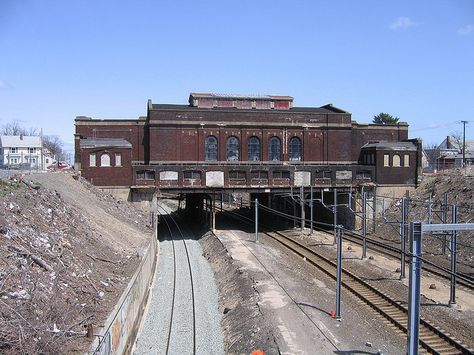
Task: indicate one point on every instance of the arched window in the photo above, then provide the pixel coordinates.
(396, 160)
(105, 159)
(274, 149)
(295, 148)
(232, 148)
(253, 149)
(211, 148)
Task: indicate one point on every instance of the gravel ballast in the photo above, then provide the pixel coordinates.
(153, 334)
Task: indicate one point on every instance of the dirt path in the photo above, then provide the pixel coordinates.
(120, 228)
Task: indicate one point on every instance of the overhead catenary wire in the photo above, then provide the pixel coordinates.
(388, 247)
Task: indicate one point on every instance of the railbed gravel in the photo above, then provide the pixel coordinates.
(153, 335)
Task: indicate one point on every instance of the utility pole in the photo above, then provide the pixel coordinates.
(464, 143)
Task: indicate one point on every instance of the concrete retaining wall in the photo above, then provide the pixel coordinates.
(120, 330)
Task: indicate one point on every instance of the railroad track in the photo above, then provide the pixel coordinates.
(433, 339)
(462, 279)
(182, 311)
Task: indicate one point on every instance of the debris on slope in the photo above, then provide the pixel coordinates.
(457, 184)
(58, 277)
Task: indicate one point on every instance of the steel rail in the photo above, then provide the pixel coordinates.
(432, 338)
(168, 215)
(461, 278)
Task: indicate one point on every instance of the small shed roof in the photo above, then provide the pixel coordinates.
(384, 145)
(20, 141)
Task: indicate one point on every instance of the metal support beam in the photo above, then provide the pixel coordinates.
(430, 209)
(311, 210)
(445, 220)
(256, 220)
(403, 230)
(302, 208)
(334, 209)
(213, 213)
(414, 289)
(364, 225)
(447, 227)
(294, 213)
(339, 231)
(452, 294)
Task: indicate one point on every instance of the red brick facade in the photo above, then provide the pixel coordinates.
(171, 141)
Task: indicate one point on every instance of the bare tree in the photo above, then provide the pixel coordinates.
(15, 129)
(457, 140)
(432, 153)
(55, 146)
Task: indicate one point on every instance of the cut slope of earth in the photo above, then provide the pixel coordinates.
(458, 184)
(67, 252)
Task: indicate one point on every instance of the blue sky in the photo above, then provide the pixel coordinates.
(102, 58)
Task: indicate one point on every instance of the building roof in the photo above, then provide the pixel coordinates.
(20, 141)
(323, 109)
(384, 145)
(104, 142)
(240, 96)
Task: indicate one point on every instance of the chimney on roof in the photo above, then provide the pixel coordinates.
(21, 137)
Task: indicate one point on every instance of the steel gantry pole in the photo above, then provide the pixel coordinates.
(414, 289)
(364, 225)
(311, 210)
(339, 232)
(452, 294)
(403, 238)
(335, 215)
(302, 208)
(445, 220)
(256, 220)
(464, 143)
(430, 209)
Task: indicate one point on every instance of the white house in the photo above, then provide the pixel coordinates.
(24, 152)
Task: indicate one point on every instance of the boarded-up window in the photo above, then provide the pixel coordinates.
(92, 159)
(118, 159)
(323, 174)
(146, 175)
(105, 160)
(237, 175)
(386, 160)
(263, 104)
(406, 160)
(396, 160)
(192, 175)
(363, 175)
(259, 175)
(281, 174)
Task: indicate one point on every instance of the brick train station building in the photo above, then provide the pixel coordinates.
(243, 143)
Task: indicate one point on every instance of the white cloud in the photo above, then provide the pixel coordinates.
(466, 30)
(4, 85)
(402, 22)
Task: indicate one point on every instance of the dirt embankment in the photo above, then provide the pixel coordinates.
(458, 184)
(67, 252)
